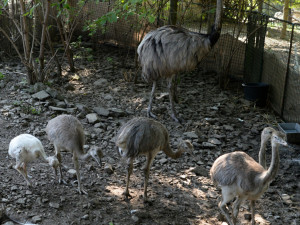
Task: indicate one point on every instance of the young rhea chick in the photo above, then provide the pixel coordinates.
(26, 148)
(242, 177)
(66, 133)
(145, 136)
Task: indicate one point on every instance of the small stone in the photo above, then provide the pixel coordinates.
(163, 161)
(168, 195)
(228, 128)
(61, 104)
(8, 223)
(14, 188)
(4, 200)
(21, 201)
(44, 200)
(36, 219)
(72, 173)
(191, 135)
(101, 111)
(117, 112)
(41, 95)
(208, 145)
(108, 97)
(135, 219)
(54, 205)
(57, 109)
(85, 217)
(53, 93)
(200, 171)
(214, 141)
(100, 82)
(108, 168)
(92, 118)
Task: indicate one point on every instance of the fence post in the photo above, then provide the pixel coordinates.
(287, 72)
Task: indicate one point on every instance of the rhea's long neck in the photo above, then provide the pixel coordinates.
(274, 166)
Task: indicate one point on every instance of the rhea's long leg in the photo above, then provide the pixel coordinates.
(171, 96)
(252, 205)
(22, 171)
(58, 156)
(76, 165)
(149, 110)
(146, 174)
(129, 172)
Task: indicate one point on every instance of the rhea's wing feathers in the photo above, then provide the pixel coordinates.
(67, 132)
(169, 50)
(236, 167)
(139, 136)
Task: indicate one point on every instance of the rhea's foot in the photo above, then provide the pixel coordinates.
(177, 119)
(150, 114)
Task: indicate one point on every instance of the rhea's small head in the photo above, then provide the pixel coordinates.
(187, 146)
(279, 138)
(53, 161)
(267, 133)
(96, 153)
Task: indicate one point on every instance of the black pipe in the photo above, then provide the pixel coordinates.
(287, 72)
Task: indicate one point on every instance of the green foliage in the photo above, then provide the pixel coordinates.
(143, 10)
(81, 51)
(27, 108)
(31, 10)
(1, 76)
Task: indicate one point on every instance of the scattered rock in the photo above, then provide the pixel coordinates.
(214, 141)
(117, 112)
(190, 135)
(72, 173)
(8, 223)
(100, 82)
(57, 109)
(21, 201)
(54, 205)
(92, 118)
(101, 111)
(36, 219)
(163, 161)
(200, 171)
(41, 95)
(208, 145)
(168, 195)
(108, 168)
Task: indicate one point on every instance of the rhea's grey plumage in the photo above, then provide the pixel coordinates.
(241, 176)
(66, 133)
(169, 50)
(145, 136)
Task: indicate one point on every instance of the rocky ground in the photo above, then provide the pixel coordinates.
(102, 97)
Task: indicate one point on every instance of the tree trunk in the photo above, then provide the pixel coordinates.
(43, 40)
(210, 18)
(285, 17)
(173, 12)
(65, 42)
(260, 6)
(31, 76)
